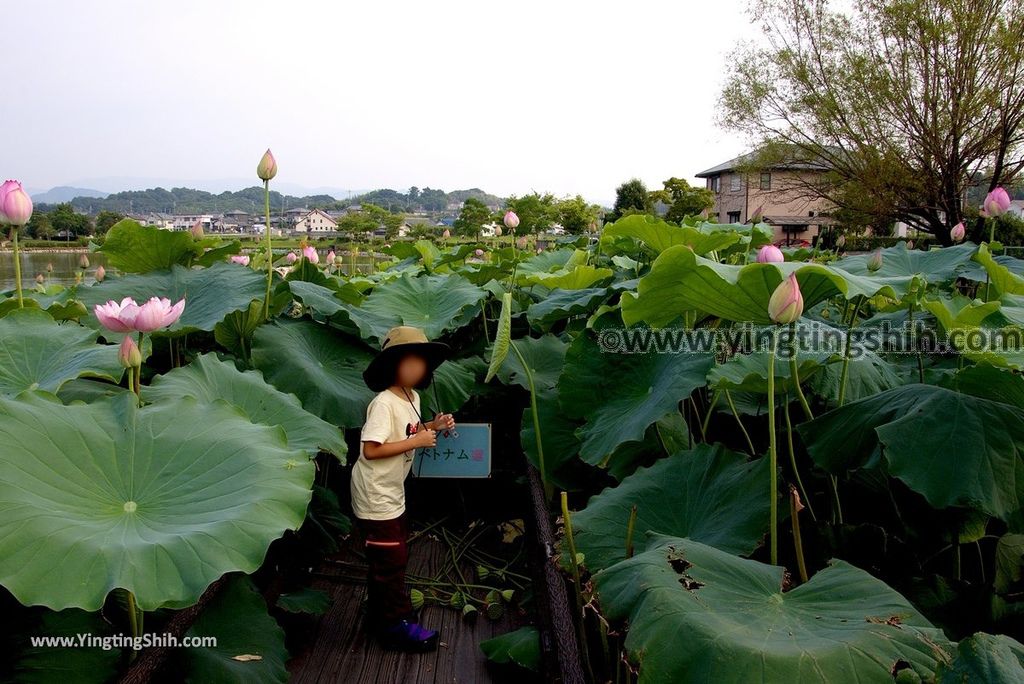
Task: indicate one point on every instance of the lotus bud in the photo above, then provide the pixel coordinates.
(197, 231)
(387, 245)
(17, 209)
(478, 253)
(101, 273)
(910, 245)
(522, 242)
(40, 278)
(241, 259)
(539, 250)
(497, 231)
(267, 168)
(997, 203)
(331, 256)
(4, 189)
(757, 215)
(446, 234)
(770, 254)
(309, 251)
(291, 257)
(511, 220)
(49, 267)
(841, 241)
(129, 354)
(875, 261)
(958, 232)
(83, 262)
(786, 304)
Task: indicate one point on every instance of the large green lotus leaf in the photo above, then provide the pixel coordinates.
(209, 379)
(235, 332)
(960, 313)
(867, 375)
(317, 297)
(976, 272)
(454, 383)
(558, 435)
(210, 293)
(562, 304)
(710, 494)
(135, 248)
(700, 614)
(36, 352)
(620, 395)
(434, 303)
(988, 382)
(576, 278)
(323, 368)
(936, 266)
(160, 501)
(1003, 280)
(749, 372)
(984, 658)
(44, 664)
(552, 260)
(545, 357)
(238, 618)
(658, 235)
(954, 449)
(680, 282)
(521, 647)
(57, 300)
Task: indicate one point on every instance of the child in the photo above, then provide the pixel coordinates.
(393, 431)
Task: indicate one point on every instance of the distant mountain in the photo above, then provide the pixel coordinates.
(64, 193)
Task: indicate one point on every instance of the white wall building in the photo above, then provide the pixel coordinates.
(315, 221)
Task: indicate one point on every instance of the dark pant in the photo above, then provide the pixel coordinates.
(386, 557)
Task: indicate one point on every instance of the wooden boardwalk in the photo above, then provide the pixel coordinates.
(342, 652)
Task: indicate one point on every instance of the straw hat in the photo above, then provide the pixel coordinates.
(404, 339)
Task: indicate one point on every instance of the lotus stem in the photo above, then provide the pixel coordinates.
(17, 267)
(536, 416)
(794, 515)
(577, 584)
(736, 415)
(792, 461)
(270, 250)
(846, 351)
(630, 527)
(134, 621)
(794, 373)
(707, 416)
(772, 453)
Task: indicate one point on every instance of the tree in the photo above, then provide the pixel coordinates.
(575, 214)
(631, 198)
(106, 219)
(905, 102)
(473, 215)
(684, 199)
(65, 219)
(536, 212)
(39, 226)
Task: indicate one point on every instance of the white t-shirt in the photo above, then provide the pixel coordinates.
(378, 485)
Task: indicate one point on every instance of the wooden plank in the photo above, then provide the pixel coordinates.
(341, 651)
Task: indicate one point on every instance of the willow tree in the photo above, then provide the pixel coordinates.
(907, 102)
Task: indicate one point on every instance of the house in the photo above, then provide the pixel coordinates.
(778, 192)
(489, 230)
(315, 221)
(165, 221)
(188, 221)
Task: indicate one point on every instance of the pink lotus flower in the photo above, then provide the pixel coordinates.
(4, 189)
(770, 254)
(128, 353)
(958, 232)
(310, 253)
(101, 273)
(291, 257)
(158, 313)
(331, 257)
(117, 317)
(996, 203)
(240, 259)
(786, 303)
(875, 261)
(511, 220)
(17, 205)
(267, 168)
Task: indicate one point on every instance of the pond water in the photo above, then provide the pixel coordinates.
(65, 267)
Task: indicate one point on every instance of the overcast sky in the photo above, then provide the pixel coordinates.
(554, 95)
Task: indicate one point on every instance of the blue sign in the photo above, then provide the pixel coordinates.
(465, 452)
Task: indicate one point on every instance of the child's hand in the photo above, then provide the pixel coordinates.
(442, 421)
(424, 438)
